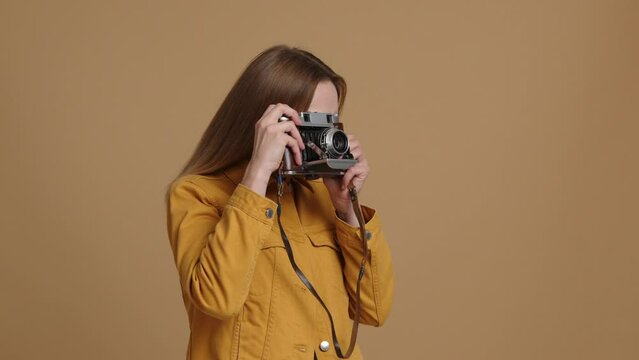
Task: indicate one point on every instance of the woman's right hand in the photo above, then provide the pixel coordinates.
(271, 139)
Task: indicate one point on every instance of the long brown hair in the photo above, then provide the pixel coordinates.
(280, 74)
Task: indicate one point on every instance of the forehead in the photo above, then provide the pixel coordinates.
(325, 98)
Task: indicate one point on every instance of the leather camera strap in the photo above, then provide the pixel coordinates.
(309, 286)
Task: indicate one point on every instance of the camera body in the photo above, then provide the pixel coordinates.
(327, 148)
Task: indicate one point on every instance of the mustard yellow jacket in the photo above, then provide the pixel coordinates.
(243, 299)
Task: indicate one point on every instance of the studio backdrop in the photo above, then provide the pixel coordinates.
(502, 139)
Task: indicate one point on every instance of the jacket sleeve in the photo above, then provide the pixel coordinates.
(378, 281)
(215, 249)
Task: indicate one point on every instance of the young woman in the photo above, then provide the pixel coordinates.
(243, 298)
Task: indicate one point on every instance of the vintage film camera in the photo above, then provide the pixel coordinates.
(327, 149)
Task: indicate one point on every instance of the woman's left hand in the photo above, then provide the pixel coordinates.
(338, 186)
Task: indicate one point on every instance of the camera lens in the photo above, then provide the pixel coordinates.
(335, 142)
(340, 142)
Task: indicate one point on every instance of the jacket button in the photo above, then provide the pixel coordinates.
(369, 235)
(324, 346)
(269, 213)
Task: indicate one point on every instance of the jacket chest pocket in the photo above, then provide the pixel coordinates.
(264, 273)
(328, 259)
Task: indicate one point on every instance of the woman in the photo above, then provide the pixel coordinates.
(242, 296)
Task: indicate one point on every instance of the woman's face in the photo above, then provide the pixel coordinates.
(325, 98)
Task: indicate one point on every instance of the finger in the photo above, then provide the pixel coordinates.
(291, 129)
(352, 140)
(274, 112)
(271, 116)
(268, 110)
(295, 133)
(293, 145)
(356, 171)
(357, 153)
(355, 150)
(289, 112)
(260, 122)
(348, 176)
(346, 180)
(355, 147)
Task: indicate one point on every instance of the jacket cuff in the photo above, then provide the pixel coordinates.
(349, 236)
(253, 204)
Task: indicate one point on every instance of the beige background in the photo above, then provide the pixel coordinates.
(503, 144)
